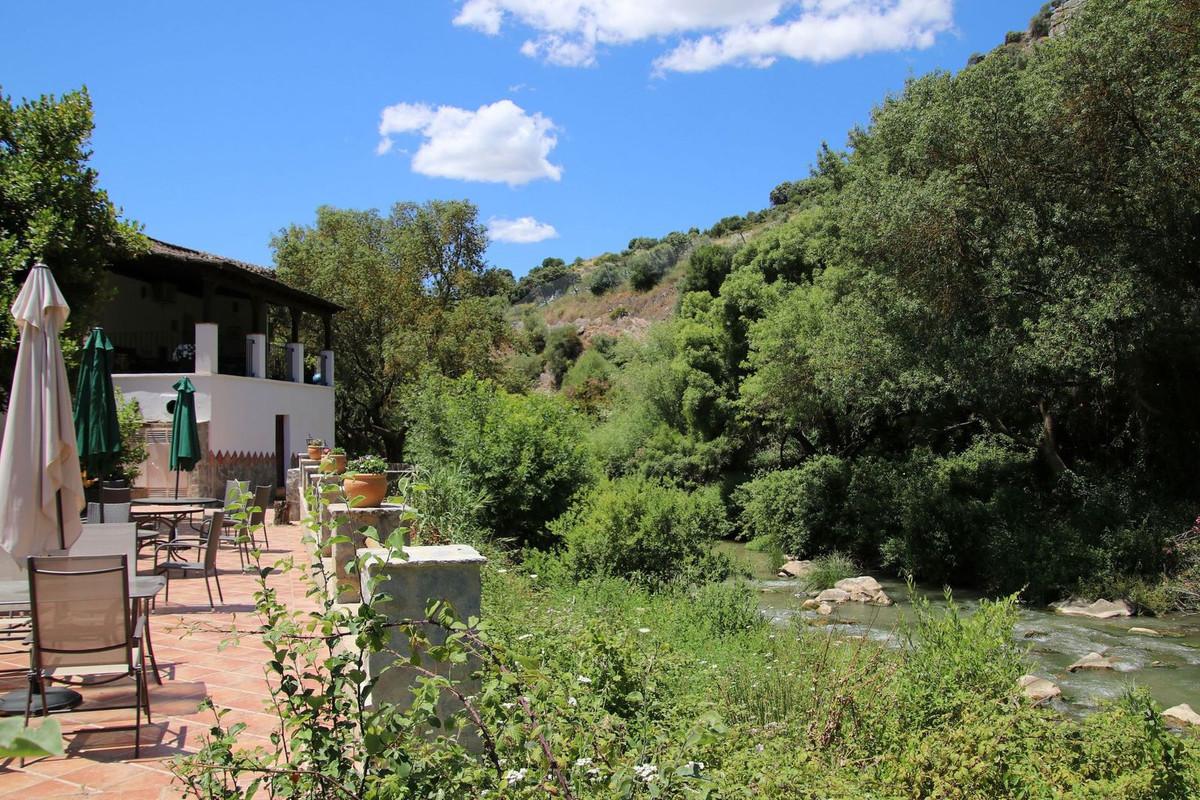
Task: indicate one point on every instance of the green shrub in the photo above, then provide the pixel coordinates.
(366, 465)
(798, 509)
(828, 570)
(587, 383)
(724, 609)
(563, 346)
(642, 530)
(526, 452)
(706, 269)
(648, 267)
(606, 278)
(520, 371)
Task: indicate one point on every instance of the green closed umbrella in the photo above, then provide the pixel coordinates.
(185, 437)
(97, 432)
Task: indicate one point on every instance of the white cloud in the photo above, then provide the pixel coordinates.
(723, 32)
(523, 230)
(496, 143)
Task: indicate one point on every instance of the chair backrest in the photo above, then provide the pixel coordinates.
(213, 543)
(115, 494)
(234, 490)
(108, 539)
(113, 512)
(80, 609)
(262, 499)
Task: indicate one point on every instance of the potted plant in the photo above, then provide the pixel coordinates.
(334, 462)
(316, 449)
(365, 483)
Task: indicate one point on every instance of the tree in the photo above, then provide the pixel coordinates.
(53, 210)
(416, 300)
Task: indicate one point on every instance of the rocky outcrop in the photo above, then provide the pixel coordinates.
(1101, 609)
(1181, 715)
(796, 569)
(1092, 661)
(1038, 690)
(1060, 21)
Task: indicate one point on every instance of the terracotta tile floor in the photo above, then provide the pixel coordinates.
(101, 765)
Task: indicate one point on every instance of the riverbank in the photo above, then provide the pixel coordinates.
(1167, 666)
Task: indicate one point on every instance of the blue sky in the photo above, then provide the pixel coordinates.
(219, 123)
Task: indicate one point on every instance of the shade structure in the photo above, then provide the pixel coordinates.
(97, 431)
(41, 490)
(185, 436)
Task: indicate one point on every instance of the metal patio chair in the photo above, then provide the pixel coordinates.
(206, 547)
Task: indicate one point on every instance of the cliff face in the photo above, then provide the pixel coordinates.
(1060, 20)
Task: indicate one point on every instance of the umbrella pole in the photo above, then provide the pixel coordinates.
(176, 484)
(62, 539)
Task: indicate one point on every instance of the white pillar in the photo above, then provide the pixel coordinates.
(206, 348)
(256, 355)
(295, 352)
(327, 367)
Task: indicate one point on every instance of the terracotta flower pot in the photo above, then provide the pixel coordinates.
(333, 463)
(365, 491)
(315, 452)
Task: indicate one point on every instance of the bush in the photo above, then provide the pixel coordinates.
(725, 609)
(520, 371)
(800, 510)
(706, 269)
(606, 278)
(828, 570)
(647, 267)
(563, 346)
(642, 530)
(526, 452)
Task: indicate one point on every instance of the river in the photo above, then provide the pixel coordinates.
(1169, 667)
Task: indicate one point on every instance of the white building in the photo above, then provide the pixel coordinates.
(234, 330)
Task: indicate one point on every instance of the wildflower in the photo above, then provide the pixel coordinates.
(584, 679)
(696, 766)
(583, 762)
(594, 775)
(508, 706)
(524, 636)
(643, 630)
(514, 775)
(572, 702)
(646, 772)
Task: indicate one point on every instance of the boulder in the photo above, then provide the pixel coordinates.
(1145, 632)
(1038, 690)
(863, 589)
(1092, 661)
(810, 604)
(833, 596)
(1181, 715)
(1101, 609)
(796, 569)
(824, 609)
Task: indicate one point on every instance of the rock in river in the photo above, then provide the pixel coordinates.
(1181, 714)
(1092, 661)
(1145, 632)
(833, 596)
(1039, 690)
(796, 569)
(864, 589)
(1101, 609)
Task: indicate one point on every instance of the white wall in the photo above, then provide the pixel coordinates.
(240, 411)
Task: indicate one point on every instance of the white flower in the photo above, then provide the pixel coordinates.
(572, 702)
(594, 775)
(524, 636)
(696, 766)
(533, 576)
(514, 775)
(646, 772)
(583, 762)
(643, 630)
(584, 679)
(508, 706)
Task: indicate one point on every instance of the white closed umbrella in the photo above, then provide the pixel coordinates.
(41, 490)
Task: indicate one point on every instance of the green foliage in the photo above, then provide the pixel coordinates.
(797, 509)
(642, 530)
(828, 569)
(18, 741)
(563, 346)
(550, 270)
(525, 452)
(520, 371)
(648, 267)
(707, 267)
(606, 278)
(412, 306)
(588, 381)
(366, 465)
(133, 438)
(53, 210)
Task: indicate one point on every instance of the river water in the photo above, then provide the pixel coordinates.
(1169, 667)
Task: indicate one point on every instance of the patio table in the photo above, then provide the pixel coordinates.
(175, 501)
(166, 512)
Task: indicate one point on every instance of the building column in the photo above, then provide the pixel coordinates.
(295, 353)
(206, 349)
(256, 355)
(327, 367)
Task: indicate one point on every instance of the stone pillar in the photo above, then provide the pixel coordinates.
(351, 525)
(327, 367)
(256, 355)
(446, 572)
(295, 355)
(206, 348)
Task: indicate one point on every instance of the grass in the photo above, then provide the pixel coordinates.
(828, 570)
